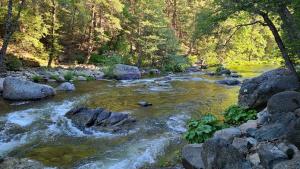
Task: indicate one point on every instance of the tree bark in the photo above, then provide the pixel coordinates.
(53, 21)
(90, 36)
(10, 27)
(280, 43)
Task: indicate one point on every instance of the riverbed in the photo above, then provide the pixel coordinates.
(39, 131)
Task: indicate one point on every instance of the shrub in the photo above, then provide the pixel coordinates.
(203, 129)
(176, 63)
(13, 63)
(69, 76)
(54, 77)
(90, 78)
(37, 78)
(106, 60)
(236, 115)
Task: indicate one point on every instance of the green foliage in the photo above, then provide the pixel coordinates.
(106, 60)
(37, 78)
(54, 77)
(203, 129)
(236, 115)
(176, 63)
(13, 63)
(69, 76)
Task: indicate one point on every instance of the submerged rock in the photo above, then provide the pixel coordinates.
(255, 92)
(126, 72)
(229, 82)
(99, 119)
(144, 104)
(17, 89)
(14, 163)
(67, 86)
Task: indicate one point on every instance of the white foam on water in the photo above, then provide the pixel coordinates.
(23, 118)
(144, 151)
(177, 123)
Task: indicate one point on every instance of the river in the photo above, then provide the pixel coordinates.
(39, 131)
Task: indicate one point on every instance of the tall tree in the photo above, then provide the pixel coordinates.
(10, 27)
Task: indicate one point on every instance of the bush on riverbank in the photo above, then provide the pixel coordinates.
(236, 115)
(203, 129)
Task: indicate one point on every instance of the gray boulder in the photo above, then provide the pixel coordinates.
(67, 86)
(18, 89)
(99, 119)
(280, 126)
(191, 156)
(287, 101)
(219, 153)
(270, 155)
(228, 134)
(229, 82)
(255, 93)
(125, 72)
(289, 164)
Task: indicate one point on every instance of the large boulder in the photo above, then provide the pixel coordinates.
(282, 102)
(289, 164)
(99, 119)
(255, 92)
(125, 72)
(191, 156)
(219, 153)
(270, 155)
(279, 126)
(18, 89)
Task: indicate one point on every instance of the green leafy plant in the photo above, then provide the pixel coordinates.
(236, 115)
(69, 76)
(203, 129)
(37, 78)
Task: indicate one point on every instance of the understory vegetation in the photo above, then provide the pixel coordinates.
(203, 129)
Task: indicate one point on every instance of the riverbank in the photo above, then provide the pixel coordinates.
(270, 141)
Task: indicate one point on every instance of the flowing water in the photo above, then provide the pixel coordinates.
(39, 130)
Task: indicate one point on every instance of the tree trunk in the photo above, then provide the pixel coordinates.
(90, 36)
(10, 27)
(52, 45)
(280, 43)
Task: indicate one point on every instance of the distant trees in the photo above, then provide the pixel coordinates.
(152, 32)
(225, 9)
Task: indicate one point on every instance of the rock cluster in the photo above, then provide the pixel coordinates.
(99, 119)
(270, 142)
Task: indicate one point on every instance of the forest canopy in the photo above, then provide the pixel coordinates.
(169, 34)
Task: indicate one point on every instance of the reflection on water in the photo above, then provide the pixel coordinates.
(40, 131)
